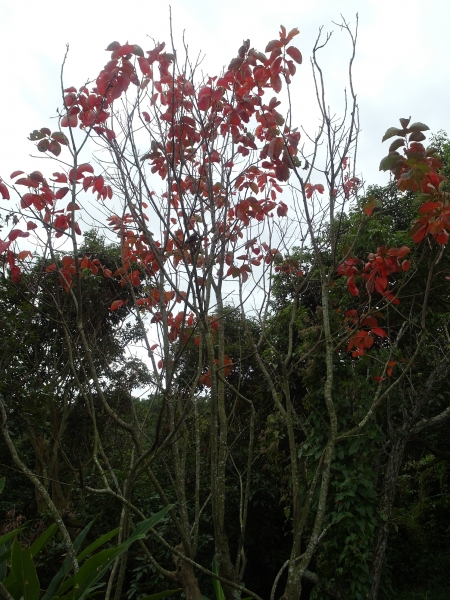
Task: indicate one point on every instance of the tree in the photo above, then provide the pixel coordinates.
(196, 167)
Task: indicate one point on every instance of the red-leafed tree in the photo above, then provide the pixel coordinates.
(207, 186)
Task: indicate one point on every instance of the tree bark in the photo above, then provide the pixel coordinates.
(185, 576)
(386, 505)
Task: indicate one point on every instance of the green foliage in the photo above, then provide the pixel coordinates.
(23, 582)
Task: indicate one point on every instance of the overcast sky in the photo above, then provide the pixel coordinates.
(401, 67)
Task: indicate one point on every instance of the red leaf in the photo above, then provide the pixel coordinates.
(145, 66)
(381, 284)
(61, 193)
(15, 173)
(69, 121)
(125, 49)
(429, 206)
(117, 304)
(368, 341)
(292, 33)
(406, 264)
(98, 183)
(60, 222)
(22, 255)
(55, 147)
(37, 176)
(82, 168)
(60, 177)
(4, 191)
(274, 44)
(295, 54)
(442, 237)
(403, 251)
(282, 172)
(31, 225)
(15, 233)
(15, 274)
(310, 189)
(282, 209)
(275, 82)
(4, 246)
(420, 234)
(351, 286)
(379, 332)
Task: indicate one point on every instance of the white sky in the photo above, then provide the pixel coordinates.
(402, 64)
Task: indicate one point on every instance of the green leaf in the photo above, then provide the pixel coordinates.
(49, 595)
(138, 50)
(389, 161)
(94, 568)
(99, 542)
(43, 539)
(407, 174)
(36, 135)
(393, 131)
(405, 122)
(91, 571)
(418, 127)
(4, 555)
(163, 594)
(216, 583)
(60, 137)
(396, 144)
(5, 538)
(24, 571)
(416, 136)
(419, 199)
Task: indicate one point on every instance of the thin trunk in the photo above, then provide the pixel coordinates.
(386, 505)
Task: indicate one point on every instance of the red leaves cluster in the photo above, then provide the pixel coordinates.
(350, 269)
(376, 271)
(289, 266)
(117, 304)
(382, 264)
(14, 269)
(435, 220)
(69, 269)
(363, 338)
(88, 110)
(66, 272)
(310, 189)
(42, 198)
(418, 170)
(205, 379)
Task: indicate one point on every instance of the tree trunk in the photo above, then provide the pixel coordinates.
(185, 576)
(386, 504)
